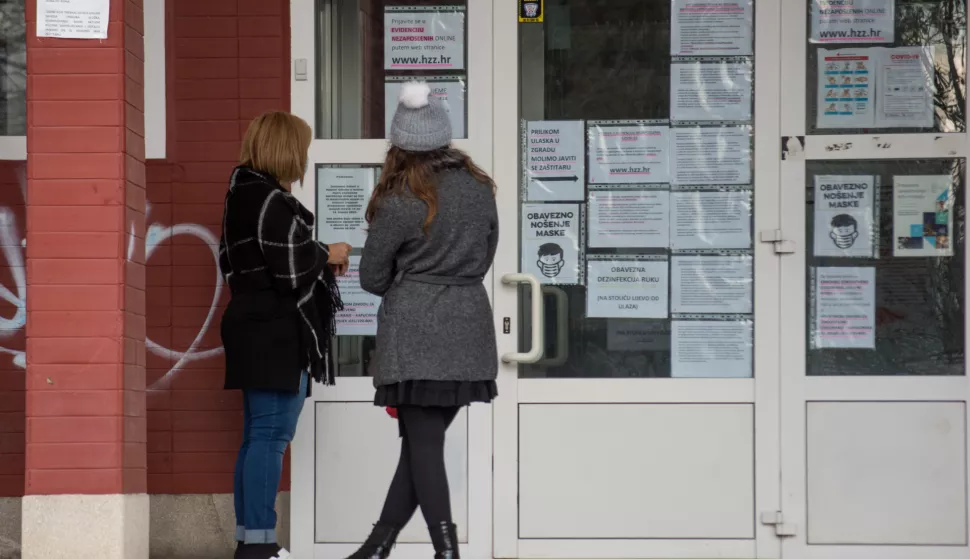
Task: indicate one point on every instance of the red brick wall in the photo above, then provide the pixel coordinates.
(228, 61)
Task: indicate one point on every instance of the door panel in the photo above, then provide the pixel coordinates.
(874, 386)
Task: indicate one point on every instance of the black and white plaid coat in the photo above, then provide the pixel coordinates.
(280, 319)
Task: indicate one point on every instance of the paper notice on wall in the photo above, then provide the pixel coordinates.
(852, 21)
(424, 38)
(72, 19)
(551, 242)
(637, 335)
(923, 215)
(846, 87)
(844, 216)
(359, 317)
(711, 27)
(555, 154)
(342, 196)
(626, 288)
(711, 348)
(710, 155)
(629, 218)
(628, 153)
(704, 220)
(450, 92)
(845, 308)
(711, 284)
(905, 92)
(714, 91)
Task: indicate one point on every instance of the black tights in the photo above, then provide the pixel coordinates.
(420, 478)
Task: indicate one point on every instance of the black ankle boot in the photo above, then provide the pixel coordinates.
(444, 536)
(379, 543)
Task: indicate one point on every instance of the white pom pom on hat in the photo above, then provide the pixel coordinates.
(415, 95)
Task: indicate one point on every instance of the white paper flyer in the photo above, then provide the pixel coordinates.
(846, 83)
(711, 348)
(424, 38)
(711, 27)
(844, 221)
(852, 21)
(845, 308)
(359, 317)
(551, 243)
(710, 220)
(711, 284)
(628, 153)
(629, 218)
(710, 91)
(710, 155)
(923, 215)
(904, 96)
(342, 197)
(555, 154)
(626, 288)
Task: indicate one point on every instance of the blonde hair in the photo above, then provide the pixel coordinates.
(276, 142)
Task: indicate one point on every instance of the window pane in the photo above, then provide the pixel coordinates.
(885, 261)
(367, 48)
(636, 196)
(896, 71)
(13, 65)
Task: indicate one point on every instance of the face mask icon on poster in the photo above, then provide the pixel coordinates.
(550, 260)
(843, 231)
(531, 9)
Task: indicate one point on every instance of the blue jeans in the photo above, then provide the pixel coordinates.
(269, 423)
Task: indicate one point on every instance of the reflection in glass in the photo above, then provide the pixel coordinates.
(937, 25)
(13, 65)
(357, 88)
(919, 301)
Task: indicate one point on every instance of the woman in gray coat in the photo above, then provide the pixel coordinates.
(433, 230)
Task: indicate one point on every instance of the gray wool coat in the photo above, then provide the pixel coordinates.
(428, 331)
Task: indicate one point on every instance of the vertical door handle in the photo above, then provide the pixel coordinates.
(535, 352)
(562, 327)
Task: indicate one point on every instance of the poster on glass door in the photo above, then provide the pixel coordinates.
(710, 155)
(846, 86)
(625, 152)
(552, 249)
(905, 88)
(629, 218)
(711, 284)
(711, 348)
(424, 37)
(923, 215)
(342, 197)
(554, 156)
(845, 216)
(450, 91)
(845, 308)
(711, 90)
(852, 21)
(359, 317)
(626, 287)
(711, 27)
(710, 219)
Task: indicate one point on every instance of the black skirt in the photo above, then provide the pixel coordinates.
(435, 393)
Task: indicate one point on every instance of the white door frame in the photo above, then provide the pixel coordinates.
(360, 389)
(797, 389)
(761, 391)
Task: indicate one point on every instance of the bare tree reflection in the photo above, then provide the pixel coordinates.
(13, 68)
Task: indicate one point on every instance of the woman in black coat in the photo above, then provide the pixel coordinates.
(279, 323)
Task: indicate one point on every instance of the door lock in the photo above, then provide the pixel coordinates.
(777, 238)
(777, 519)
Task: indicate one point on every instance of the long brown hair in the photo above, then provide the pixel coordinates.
(414, 171)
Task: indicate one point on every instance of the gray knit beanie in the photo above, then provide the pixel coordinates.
(421, 122)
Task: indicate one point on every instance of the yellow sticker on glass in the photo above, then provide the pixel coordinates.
(530, 11)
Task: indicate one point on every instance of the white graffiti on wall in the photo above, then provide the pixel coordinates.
(12, 244)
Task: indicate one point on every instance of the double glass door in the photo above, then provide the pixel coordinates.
(729, 292)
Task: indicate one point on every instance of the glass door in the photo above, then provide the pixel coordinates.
(350, 58)
(636, 152)
(874, 385)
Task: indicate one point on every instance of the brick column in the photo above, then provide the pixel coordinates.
(85, 480)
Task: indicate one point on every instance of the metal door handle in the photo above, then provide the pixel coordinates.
(562, 327)
(535, 352)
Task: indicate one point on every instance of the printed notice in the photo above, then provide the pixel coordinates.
(852, 21)
(555, 155)
(429, 38)
(844, 221)
(711, 348)
(845, 308)
(451, 94)
(715, 91)
(629, 218)
(359, 317)
(341, 201)
(73, 19)
(637, 335)
(846, 81)
(630, 153)
(711, 284)
(703, 220)
(710, 155)
(711, 27)
(626, 288)
(923, 215)
(905, 93)
(550, 242)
